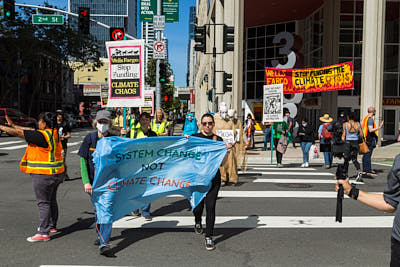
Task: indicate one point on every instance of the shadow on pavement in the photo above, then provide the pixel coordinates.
(225, 232)
(81, 224)
(3, 154)
(176, 206)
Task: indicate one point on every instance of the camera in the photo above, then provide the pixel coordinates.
(338, 146)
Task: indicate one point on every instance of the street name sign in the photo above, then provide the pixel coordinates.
(48, 19)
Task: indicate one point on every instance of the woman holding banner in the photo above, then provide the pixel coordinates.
(207, 122)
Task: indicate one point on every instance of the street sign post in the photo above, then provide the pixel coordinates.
(159, 23)
(159, 50)
(48, 19)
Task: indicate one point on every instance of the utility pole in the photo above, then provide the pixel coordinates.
(158, 85)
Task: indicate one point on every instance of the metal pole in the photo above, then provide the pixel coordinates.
(272, 142)
(158, 85)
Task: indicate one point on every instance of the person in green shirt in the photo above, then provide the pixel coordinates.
(279, 129)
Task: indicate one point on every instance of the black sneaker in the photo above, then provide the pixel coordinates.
(105, 251)
(209, 243)
(198, 229)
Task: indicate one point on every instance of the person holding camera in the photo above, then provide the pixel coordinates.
(370, 134)
(44, 162)
(306, 135)
(386, 202)
(351, 135)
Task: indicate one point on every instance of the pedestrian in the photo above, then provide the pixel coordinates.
(352, 134)
(291, 125)
(159, 124)
(386, 202)
(44, 162)
(306, 134)
(325, 138)
(142, 132)
(280, 129)
(267, 134)
(103, 125)
(398, 137)
(210, 200)
(64, 132)
(190, 126)
(370, 134)
(250, 129)
(172, 122)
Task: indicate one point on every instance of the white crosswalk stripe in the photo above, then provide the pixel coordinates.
(290, 173)
(10, 142)
(5, 145)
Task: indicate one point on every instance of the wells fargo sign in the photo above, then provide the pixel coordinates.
(330, 78)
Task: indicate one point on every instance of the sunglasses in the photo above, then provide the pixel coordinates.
(210, 123)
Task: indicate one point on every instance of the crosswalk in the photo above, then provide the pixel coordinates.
(21, 144)
(262, 176)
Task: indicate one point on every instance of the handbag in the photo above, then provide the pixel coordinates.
(282, 144)
(363, 148)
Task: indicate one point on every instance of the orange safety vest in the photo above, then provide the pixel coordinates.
(364, 125)
(40, 160)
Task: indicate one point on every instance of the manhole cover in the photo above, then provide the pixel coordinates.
(294, 185)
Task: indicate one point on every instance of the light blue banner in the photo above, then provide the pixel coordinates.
(130, 173)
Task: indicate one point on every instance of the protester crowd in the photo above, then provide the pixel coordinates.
(45, 157)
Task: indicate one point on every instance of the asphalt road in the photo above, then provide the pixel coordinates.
(275, 217)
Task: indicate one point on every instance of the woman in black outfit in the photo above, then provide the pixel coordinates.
(306, 135)
(207, 121)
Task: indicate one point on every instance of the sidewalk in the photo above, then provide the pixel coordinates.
(385, 154)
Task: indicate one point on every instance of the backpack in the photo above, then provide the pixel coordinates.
(326, 135)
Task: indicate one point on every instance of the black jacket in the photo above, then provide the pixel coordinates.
(306, 134)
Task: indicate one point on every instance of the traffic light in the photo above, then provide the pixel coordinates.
(163, 72)
(9, 9)
(117, 34)
(200, 38)
(84, 20)
(227, 82)
(229, 38)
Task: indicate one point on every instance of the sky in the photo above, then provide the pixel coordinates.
(177, 33)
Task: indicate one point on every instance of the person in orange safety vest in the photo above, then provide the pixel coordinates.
(44, 162)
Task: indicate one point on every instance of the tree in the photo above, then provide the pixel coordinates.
(28, 45)
(166, 88)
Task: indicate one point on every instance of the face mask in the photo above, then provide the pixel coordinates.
(305, 124)
(223, 115)
(102, 127)
(189, 118)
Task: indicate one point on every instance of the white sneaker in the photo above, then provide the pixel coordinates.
(303, 165)
(306, 165)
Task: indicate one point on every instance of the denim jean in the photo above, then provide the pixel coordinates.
(146, 210)
(328, 158)
(305, 147)
(267, 137)
(366, 159)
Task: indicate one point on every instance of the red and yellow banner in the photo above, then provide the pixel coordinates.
(330, 78)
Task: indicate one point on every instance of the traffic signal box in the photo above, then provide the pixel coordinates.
(200, 38)
(227, 82)
(229, 38)
(9, 9)
(84, 20)
(163, 72)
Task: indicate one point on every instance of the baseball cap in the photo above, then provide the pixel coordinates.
(103, 115)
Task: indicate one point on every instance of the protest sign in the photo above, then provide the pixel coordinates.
(273, 103)
(126, 73)
(330, 78)
(227, 135)
(130, 173)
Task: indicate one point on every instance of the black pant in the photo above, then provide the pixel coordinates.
(395, 255)
(279, 155)
(45, 187)
(210, 200)
(351, 153)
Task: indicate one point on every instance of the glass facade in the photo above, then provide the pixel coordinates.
(259, 51)
(120, 13)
